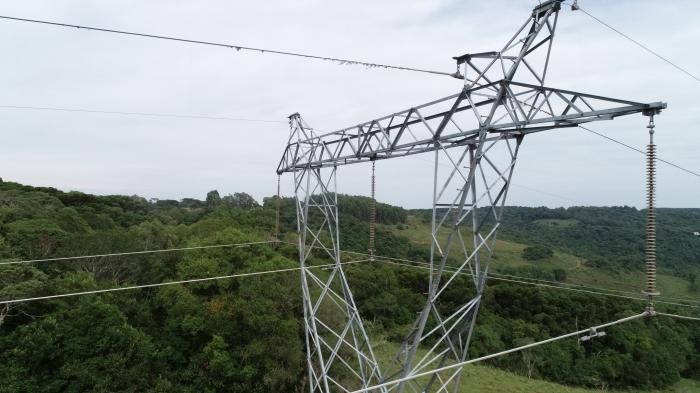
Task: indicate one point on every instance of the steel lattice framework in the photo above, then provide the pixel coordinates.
(474, 136)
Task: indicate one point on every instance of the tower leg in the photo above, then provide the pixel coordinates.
(469, 192)
(339, 354)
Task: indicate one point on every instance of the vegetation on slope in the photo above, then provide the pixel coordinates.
(246, 334)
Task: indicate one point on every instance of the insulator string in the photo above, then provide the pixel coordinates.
(650, 246)
(372, 216)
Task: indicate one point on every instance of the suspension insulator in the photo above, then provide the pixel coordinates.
(372, 217)
(650, 244)
(277, 217)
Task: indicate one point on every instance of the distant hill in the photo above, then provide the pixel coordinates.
(608, 237)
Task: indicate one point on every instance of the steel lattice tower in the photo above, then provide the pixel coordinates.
(474, 137)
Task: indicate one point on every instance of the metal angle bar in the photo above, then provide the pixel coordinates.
(338, 385)
(359, 326)
(453, 206)
(467, 306)
(570, 103)
(510, 110)
(473, 207)
(534, 47)
(583, 117)
(461, 312)
(549, 104)
(585, 95)
(475, 110)
(316, 240)
(385, 134)
(535, 110)
(341, 340)
(324, 285)
(449, 115)
(341, 360)
(365, 136)
(311, 334)
(586, 102)
(401, 130)
(437, 356)
(549, 48)
(461, 267)
(425, 123)
(481, 74)
(466, 254)
(425, 105)
(503, 66)
(476, 301)
(454, 123)
(488, 191)
(527, 91)
(529, 39)
(514, 100)
(505, 186)
(441, 325)
(454, 169)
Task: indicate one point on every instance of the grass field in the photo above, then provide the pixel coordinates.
(485, 379)
(508, 255)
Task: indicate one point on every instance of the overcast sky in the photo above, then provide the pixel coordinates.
(175, 158)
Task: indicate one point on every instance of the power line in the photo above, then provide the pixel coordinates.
(679, 316)
(590, 289)
(237, 47)
(162, 284)
(577, 7)
(558, 285)
(639, 44)
(147, 114)
(595, 288)
(116, 254)
(546, 193)
(498, 354)
(492, 277)
(514, 184)
(611, 139)
(503, 277)
(639, 151)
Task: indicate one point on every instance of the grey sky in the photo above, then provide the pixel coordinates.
(176, 158)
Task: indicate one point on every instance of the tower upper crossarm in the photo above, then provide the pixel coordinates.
(502, 107)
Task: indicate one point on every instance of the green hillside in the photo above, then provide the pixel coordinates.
(578, 269)
(245, 334)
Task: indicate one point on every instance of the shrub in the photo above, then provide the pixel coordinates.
(535, 253)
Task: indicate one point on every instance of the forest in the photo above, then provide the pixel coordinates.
(246, 335)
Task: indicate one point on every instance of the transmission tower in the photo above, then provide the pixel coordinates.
(474, 137)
